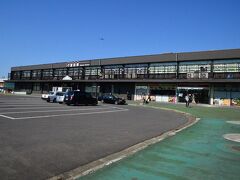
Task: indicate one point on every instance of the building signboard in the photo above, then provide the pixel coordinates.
(77, 64)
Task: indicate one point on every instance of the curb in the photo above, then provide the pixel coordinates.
(108, 160)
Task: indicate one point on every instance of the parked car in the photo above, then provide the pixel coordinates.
(100, 97)
(78, 97)
(45, 96)
(111, 99)
(53, 97)
(60, 97)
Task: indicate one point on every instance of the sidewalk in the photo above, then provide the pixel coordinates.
(199, 152)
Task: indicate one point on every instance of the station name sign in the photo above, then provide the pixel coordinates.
(77, 64)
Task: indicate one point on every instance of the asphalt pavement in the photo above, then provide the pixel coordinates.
(39, 140)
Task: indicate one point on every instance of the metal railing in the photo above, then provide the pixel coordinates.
(226, 75)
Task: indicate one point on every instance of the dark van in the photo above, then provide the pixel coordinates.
(78, 97)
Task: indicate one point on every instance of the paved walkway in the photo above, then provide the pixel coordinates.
(200, 152)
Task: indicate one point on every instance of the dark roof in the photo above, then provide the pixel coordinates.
(166, 57)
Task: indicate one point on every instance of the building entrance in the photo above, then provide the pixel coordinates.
(197, 94)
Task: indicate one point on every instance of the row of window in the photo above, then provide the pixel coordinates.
(131, 71)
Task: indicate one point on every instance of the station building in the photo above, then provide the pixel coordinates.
(211, 77)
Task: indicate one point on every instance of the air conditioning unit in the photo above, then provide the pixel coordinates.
(203, 75)
(190, 75)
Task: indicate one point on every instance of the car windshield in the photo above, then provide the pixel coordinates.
(69, 93)
(51, 93)
(110, 97)
(60, 94)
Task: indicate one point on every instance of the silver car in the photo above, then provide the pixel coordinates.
(53, 97)
(60, 97)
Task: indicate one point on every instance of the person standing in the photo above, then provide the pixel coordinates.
(129, 97)
(187, 100)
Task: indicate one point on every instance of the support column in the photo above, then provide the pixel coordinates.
(211, 94)
(112, 88)
(176, 94)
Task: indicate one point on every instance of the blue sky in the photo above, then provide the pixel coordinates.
(47, 31)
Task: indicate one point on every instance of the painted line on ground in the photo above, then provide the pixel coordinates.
(8, 117)
(232, 137)
(234, 122)
(36, 107)
(56, 115)
(86, 109)
(54, 107)
(18, 104)
(25, 105)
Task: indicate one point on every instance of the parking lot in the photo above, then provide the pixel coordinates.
(39, 140)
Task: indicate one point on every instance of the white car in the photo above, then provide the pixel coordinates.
(52, 97)
(60, 97)
(56, 97)
(45, 96)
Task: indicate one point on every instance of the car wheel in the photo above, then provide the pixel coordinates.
(48, 100)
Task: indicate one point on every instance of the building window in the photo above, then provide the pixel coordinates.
(226, 69)
(162, 70)
(136, 71)
(16, 75)
(75, 73)
(47, 74)
(36, 74)
(113, 72)
(26, 74)
(194, 70)
(93, 72)
(60, 73)
(233, 67)
(195, 67)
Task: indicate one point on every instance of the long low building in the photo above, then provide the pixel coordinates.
(211, 77)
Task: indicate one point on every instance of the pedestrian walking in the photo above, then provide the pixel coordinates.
(187, 100)
(129, 97)
(149, 99)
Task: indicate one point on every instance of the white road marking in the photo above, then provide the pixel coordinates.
(86, 109)
(8, 117)
(232, 137)
(23, 105)
(47, 107)
(84, 113)
(234, 122)
(37, 107)
(20, 104)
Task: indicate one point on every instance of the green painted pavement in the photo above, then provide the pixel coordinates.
(199, 152)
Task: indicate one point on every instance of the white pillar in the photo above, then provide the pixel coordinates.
(211, 94)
